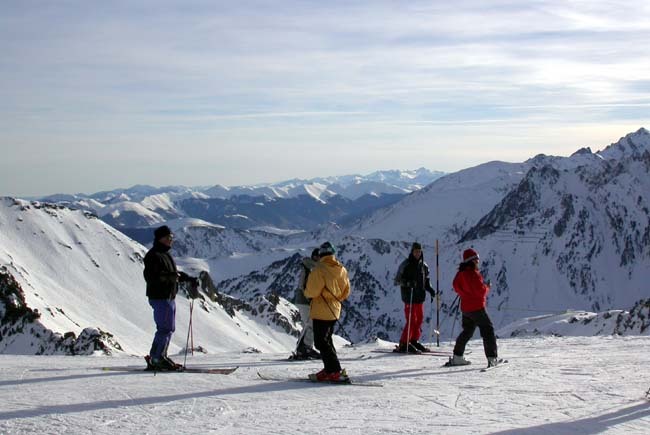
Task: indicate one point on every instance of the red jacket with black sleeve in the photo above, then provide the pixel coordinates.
(472, 290)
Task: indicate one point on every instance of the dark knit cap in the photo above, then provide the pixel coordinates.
(326, 249)
(415, 246)
(161, 232)
(315, 254)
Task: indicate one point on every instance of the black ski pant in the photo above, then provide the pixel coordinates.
(323, 330)
(470, 321)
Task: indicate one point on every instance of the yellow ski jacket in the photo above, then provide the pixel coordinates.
(327, 286)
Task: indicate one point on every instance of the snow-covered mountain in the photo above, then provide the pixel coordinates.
(69, 283)
(553, 232)
(446, 206)
(572, 238)
(348, 186)
(342, 196)
(636, 321)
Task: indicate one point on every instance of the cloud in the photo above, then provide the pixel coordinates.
(147, 71)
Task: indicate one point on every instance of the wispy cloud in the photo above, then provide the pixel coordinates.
(219, 71)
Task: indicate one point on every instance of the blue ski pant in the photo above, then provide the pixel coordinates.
(164, 314)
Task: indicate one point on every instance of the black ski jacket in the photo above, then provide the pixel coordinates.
(413, 277)
(161, 274)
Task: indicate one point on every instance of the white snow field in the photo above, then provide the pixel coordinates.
(551, 385)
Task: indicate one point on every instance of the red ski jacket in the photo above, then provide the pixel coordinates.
(473, 292)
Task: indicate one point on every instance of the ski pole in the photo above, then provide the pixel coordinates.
(437, 295)
(408, 329)
(188, 334)
(431, 324)
(191, 328)
(451, 336)
(302, 335)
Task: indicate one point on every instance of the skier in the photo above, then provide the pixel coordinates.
(305, 345)
(469, 285)
(162, 279)
(328, 286)
(413, 279)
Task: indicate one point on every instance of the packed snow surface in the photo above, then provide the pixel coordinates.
(551, 385)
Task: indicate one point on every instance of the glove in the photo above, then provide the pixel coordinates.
(182, 276)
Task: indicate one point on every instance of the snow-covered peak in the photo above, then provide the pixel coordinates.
(128, 213)
(181, 224)
(161, 201)
(445, 206)
(632, 144)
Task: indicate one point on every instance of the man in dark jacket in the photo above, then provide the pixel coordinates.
(413, 279)
(162, 279)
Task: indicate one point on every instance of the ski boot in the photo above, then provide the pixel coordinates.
(457, 360)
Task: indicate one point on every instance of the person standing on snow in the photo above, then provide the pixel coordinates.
(305, 345)
(162, 279)
(328, 286)
(413, 279)
(471, 289)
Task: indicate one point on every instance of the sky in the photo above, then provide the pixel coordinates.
(100, 95)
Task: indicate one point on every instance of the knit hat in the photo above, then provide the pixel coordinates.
(161, 232)
(326, 249)
(469, 255)
(415, 246)
(315, 253)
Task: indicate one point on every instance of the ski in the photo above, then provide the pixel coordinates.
(296, 379)
(215, 371)
(430, 353)
(501, 363)
(289, 359)
(448, 364)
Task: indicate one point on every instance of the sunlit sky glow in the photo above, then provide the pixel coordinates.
(99, 95)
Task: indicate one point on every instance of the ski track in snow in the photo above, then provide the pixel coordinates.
(578, 385)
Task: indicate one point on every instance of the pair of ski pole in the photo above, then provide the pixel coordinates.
(190, 334)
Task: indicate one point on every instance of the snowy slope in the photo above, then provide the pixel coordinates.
(78, 272)
(446, 206)
(559, 386)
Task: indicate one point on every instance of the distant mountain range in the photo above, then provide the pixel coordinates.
(294, 204)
